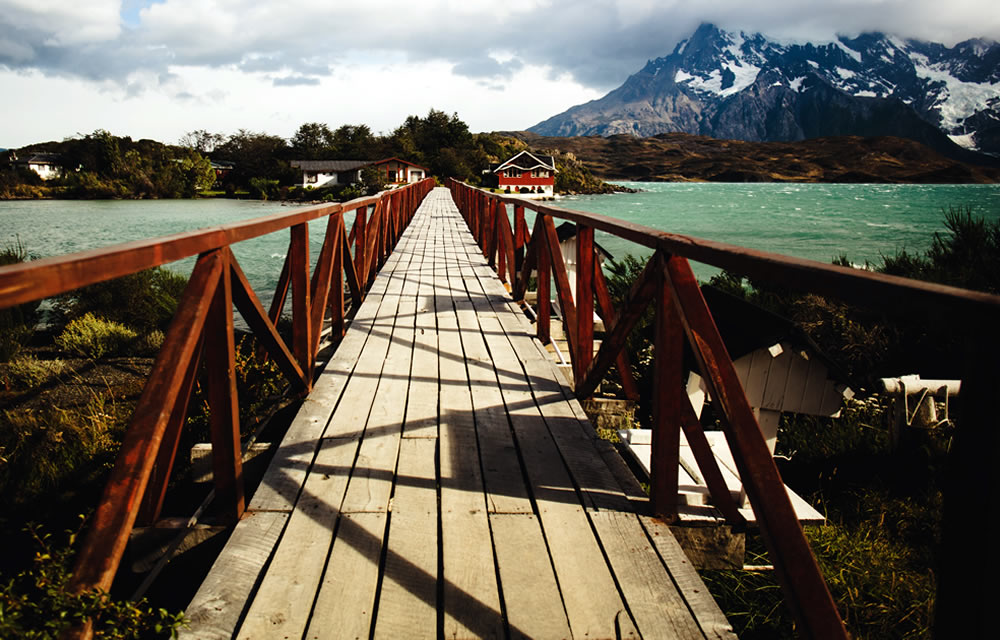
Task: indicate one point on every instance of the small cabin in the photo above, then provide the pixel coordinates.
(528, 174)
(47, 165)
(329, 173)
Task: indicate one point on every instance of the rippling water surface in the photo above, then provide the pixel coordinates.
(818, 221)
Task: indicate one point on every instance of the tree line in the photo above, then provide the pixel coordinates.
(102, 165)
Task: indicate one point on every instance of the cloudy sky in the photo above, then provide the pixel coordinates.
(160, 68)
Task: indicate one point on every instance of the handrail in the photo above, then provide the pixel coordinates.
(201, 332)
(681, 312)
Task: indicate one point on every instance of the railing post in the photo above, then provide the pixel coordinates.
(667, 385)
(360, 241)
(104, 543)
(336, 302)
(301, 322)
(224, 420)
(543, 268)
(519, 239)
(585, 264)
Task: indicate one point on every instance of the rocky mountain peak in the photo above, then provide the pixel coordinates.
(750, 87)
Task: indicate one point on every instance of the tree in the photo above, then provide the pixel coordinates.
(202, 141)
(355, 142)
(313, 141)
(256, 155)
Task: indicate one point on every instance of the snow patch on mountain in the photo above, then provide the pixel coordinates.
(957, 100)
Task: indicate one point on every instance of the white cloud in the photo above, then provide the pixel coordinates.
(300, 51)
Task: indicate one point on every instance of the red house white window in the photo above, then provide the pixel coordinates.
(525, 173)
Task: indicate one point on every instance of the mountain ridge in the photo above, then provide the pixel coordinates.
(686, 157)
(748, 87)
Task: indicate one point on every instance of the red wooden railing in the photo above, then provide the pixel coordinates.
(201, 332)
(681, 312)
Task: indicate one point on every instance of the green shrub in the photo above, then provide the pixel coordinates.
(150, 343)
(16, 323)
(28, 371)
(94, 337)
(145, 301)
(52, 449)
(39, 603)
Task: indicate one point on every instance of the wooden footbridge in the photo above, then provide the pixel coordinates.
(440, 478)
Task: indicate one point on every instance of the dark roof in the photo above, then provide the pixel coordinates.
(345, 165)
(41, 158)
(526, 161)
(330, 165)
(567, 230)
(407, 162)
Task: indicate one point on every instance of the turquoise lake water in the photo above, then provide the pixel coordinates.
(817, 221)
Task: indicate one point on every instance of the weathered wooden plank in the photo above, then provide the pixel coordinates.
(706, 612)
(371, 482)
(506, 491)
(283, 479)
(531, 593)
(284, 599)
(216, 608)
(346, 600)
(658, 608)
(408, 598)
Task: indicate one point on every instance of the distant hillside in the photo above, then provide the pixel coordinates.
(749, 87)
(683, 157)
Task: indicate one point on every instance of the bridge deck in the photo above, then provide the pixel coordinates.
(441, 481)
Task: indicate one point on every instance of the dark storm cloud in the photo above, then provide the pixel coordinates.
(295, 81)
(597, 42)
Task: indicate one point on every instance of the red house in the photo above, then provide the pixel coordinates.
(526, 173)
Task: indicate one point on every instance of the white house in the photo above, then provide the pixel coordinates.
(46, 165)
(328, 173)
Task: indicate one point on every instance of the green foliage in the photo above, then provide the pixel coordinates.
(145, 301)
(259, 382)
(572, 176)
(877, 550)
(94, 337)
(371, 181)
(16, 323)
(256, 155)
(39, 603)
(263, 188)
(51, 449)
(27, 371)
(967, 255)
(102, 165)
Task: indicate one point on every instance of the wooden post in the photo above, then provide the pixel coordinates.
(104, 543)
(224, 420)
(519, 239)
(795, 566)
(301, 324)
(544, 302)
(360, 240)
(667, 389)
(156, 490)
(585, 261)
(336, 303)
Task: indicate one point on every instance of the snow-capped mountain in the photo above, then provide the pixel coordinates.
(749, 87)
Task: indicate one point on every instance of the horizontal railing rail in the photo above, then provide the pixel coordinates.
(668, 284)
(201, 333)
